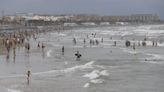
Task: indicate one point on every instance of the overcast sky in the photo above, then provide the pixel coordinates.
(101, 7)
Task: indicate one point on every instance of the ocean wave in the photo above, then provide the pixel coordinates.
(12, 90)
(148, 32)
(155, 56)
(97, 81)
(67, 70)
(49, 53)
(161, 44)
(85, 66)
(88, 65)
(86, 85)
(94, 77)
(96, 74)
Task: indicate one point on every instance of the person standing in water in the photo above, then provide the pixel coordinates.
(115, 43)
(134, 46)
(27, 46)
(156, 44)
(153, 43)
(43, 46)
(63, 50)
(74, 41)
(78, 55)
(38, 45)
(84, 41)
(28, 77)
(102, 40)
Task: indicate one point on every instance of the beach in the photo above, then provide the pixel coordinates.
(106, 64)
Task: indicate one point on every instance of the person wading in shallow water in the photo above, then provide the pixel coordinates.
(115, 43)
(38, 45)
(78, 55)
(63, 50)
(84, 41)
(27, 46)
(127, 43)
(43, 46)
(28, 76)
(74, 41)
(134, 46)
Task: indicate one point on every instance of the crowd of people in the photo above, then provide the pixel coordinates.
(11, 41)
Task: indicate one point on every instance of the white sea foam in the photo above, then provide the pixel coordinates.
(12, 90)
(65, 62)
(125, 33)
(85, 66)
(99, 66)
(86, 85)
(155, 56)
(93, 75)
(49, 53)
(148, 32)
(161, 44)
(96, 74)
(67, 70)
(95, 81)
(61, 34)
(104, 73)
(149, 43)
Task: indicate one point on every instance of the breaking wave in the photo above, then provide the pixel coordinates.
(94, 77)
(88, 65)
(12, 90)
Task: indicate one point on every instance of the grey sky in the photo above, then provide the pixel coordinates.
(101, 7)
